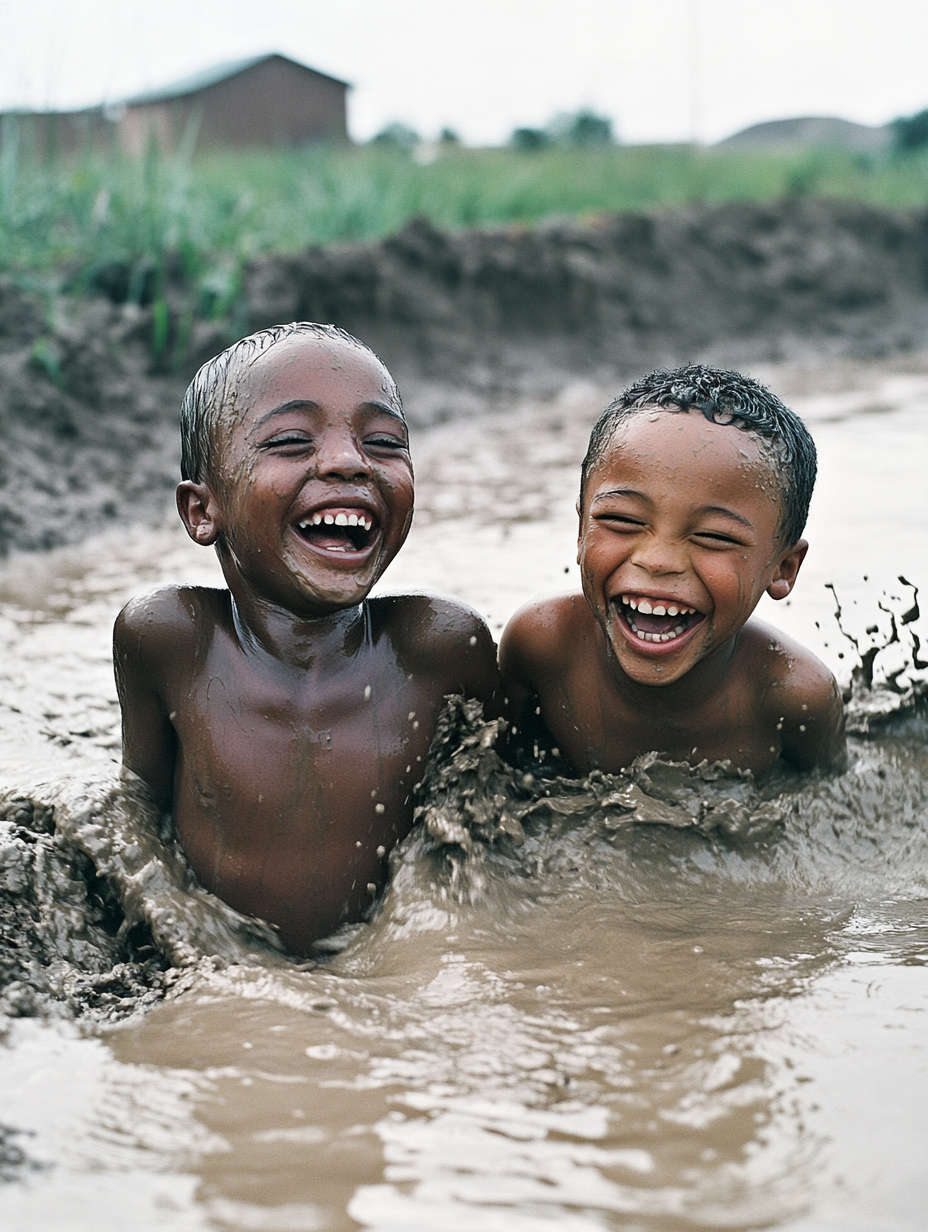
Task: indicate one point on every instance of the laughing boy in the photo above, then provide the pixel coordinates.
(284, 720)
(694, 495)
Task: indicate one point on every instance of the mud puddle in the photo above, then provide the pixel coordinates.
(603, 1026)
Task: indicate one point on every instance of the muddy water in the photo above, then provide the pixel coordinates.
(628, 1026)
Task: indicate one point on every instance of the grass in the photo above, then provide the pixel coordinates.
(70, 222)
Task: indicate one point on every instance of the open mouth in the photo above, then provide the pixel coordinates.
(657, 620)
(338, 529)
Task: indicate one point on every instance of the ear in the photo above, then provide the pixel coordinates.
(787, 570)
(199, 511)
(579, 530)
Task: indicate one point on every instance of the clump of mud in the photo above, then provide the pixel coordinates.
(472, 798)
(65, 951)
(100, 913)
(90, 387)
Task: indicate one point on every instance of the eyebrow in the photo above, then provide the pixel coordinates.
(728, 513)
(382, 408)
(619, 492)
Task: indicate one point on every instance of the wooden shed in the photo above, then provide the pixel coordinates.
(265, 101)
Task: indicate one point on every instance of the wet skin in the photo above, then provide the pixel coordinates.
(681, 515)
(285, 720)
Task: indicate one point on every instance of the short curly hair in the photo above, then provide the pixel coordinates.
(724, 397)
(211, 394)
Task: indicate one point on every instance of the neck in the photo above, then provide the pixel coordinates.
(295, 639)
(681, 698)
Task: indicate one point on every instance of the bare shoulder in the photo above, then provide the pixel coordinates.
(790, 672)
(543, 633)
(800, 693)
(167, 619)
(440, 638)
(427, 622)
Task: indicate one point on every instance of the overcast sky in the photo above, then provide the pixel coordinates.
(663, 70)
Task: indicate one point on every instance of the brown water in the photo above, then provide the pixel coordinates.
(634, 1027)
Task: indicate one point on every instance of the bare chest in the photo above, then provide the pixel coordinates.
(597, 728)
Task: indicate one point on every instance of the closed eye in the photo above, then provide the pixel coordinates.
(718, 538)
(287, 439)
(618, 521)
(386, 442)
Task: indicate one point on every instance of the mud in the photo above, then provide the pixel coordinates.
(470, 322)
(643, 1001)
(100, 913)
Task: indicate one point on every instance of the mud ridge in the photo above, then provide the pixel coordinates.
(468, 321)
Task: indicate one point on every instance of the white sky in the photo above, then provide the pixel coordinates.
(664, 70)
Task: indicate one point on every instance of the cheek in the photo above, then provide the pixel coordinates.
(598, 555)
(402, 495)
(729, 580)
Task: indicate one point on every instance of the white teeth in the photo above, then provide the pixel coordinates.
(659, 637)
(337, 519)
(658, 609)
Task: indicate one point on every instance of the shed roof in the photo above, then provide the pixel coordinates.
(218, 72)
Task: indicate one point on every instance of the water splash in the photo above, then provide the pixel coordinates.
(101, 915)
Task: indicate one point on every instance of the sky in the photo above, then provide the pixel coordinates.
(662, 70)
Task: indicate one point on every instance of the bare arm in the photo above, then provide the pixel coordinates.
(470, 663)
(813, 720)
(148, 737)
(516, 665)
(534, 655)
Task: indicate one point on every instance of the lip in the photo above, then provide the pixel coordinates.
(654, 650)
(348, 505)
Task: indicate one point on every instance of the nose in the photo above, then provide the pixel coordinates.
(659, 555)
(339, 456)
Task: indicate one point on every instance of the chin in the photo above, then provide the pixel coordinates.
(650, 667)
(336, 597)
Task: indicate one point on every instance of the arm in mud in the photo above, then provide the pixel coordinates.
(812, 713)
(528, 655)
(142, 638)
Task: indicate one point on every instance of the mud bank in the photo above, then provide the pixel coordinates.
(468, 321)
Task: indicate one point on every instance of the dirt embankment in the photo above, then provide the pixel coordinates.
(466, 321)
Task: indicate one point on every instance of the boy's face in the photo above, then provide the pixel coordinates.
(678, 541)
(313, 489)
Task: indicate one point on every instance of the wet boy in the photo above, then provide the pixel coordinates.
(285, 719)
(694, 494)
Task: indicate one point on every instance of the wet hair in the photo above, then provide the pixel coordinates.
(210, 396)
(724, 397)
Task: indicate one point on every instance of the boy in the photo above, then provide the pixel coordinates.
(285, 720)
(694, 494)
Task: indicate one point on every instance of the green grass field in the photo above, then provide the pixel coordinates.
(61, 222)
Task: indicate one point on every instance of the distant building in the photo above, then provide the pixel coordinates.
(804, 132)
(265, 101)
